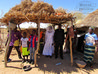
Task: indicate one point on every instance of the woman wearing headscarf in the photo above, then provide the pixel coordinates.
(49, 47)
(89, 51)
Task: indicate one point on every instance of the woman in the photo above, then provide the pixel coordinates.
(49, 47)
(89, 51)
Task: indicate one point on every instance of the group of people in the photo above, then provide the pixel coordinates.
(28, 44)
(54, 40)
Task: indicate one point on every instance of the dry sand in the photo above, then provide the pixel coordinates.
(45, 66)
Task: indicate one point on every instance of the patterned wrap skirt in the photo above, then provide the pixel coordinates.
(89, 52)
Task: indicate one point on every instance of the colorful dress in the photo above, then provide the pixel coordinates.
(89, 50)
(24, 46)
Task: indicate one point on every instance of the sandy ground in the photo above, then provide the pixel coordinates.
(45, 65)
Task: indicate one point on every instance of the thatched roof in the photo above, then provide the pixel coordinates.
(29, 11)
(90, 20)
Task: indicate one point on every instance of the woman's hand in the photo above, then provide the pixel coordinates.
(84, 41)
(96, 50)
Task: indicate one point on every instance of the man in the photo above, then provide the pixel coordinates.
(59, 41)
(15, 39)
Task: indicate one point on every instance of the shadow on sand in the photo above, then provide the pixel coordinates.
(49, 64)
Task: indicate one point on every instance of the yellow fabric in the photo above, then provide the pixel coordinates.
(16, 43)
(24, 51)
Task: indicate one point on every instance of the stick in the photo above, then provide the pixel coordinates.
(7, 47)
(19, 28)
(71, 56)
(38, 24)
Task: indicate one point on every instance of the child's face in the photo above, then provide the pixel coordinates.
(24, 35)
(33, 32)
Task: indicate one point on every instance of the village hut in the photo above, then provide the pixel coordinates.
(38, 12)
(90, 20)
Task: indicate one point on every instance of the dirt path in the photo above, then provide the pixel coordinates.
(45, 66)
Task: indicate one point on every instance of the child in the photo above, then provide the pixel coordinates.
(32, 41)
(25, 45)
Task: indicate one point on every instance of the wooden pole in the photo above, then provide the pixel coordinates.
(70, 39)
(35, 59)
(19, 28)
(0, 40)
(71, 55)
(7, 47)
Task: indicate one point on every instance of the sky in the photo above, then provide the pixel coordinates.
(84, 6)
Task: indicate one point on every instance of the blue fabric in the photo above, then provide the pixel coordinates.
(90, 35)
(35, 42)
(31, 41)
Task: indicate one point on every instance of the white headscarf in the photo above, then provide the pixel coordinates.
(49, 32)
(49, 29)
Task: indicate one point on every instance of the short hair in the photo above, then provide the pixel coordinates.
(33, 30)
(24, 33)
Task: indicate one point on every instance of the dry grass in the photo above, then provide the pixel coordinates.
(90, 20)
(30, 11)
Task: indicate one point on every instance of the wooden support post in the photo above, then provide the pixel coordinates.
(7, 47)
(19, 28)
(71, 55)
(38, 44)
(0, 41)
(70, 39)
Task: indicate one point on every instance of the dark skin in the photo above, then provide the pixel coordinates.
(24, 36)
(59, 26)
(90, 31)
(15, 30)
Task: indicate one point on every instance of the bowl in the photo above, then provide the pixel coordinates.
(80, 64)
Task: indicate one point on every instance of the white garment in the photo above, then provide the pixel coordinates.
(24, 41)
(48, 47)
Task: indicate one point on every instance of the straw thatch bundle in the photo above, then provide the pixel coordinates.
(29, 11)
(90, 20)
(60, 10)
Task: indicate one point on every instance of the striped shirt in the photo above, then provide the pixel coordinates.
(33, 40)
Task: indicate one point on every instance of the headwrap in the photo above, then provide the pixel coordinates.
(93, 28)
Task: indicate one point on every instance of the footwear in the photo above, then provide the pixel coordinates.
(23, 61)
(91, 66)
(9, 60)
(62, 58)
(50, 56)
(20, 57)
(32, 62)
(26, 68)
(56, 57)
(47, 56)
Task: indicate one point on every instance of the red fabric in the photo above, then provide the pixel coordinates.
(33, 40)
